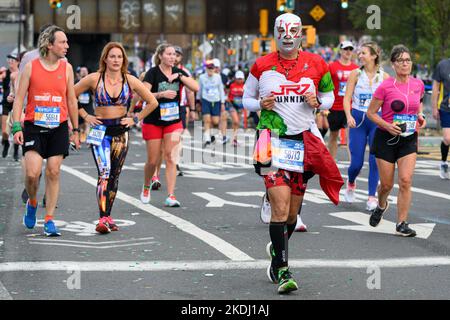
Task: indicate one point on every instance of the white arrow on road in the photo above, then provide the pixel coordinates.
(211, 176)
(423, 230)
(216, 202)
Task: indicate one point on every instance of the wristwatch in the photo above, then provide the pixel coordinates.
(76, 130)
(136, 120)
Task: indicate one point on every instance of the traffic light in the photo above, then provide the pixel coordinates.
(281, 5)
(285, 5)
(264, 22)
(55, 4)
(344, 4)
(310, 36)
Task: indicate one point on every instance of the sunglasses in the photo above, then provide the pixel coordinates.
(348, 49)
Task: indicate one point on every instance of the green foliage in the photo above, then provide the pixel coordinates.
(401, 21)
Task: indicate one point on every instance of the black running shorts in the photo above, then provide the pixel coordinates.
(391, 148)
(47, 142)
(337, 120)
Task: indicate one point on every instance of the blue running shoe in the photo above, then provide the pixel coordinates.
(29, 218)
(50, 230)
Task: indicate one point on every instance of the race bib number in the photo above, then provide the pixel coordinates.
(84, 98)
(47, 117)
(342, 88)
(96, 135)
(288, 154)
(237, 101)
(211, 91)
(410, 121)
(170, 111)
(364, 101)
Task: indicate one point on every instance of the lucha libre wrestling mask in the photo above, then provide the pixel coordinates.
(288, 31)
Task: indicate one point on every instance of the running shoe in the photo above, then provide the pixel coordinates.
(171, 201)
(145, 195)
(50, 230)
(235, 143)
(213, 139)
(444, 174)
(272, 274)
(300, 226)
(266, 210)
(156, 184)
(377, 215)
(6, 145)
(269, 250)
(372, 204)
(180, 173)
(103, 226)
(16, 152)
(112, 224)
(29, 218)
(404, 230)
(349, 194)
(286, 282)
(225, 139)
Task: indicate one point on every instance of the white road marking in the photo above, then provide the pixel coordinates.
(4, 294)
(217, 243)
(211, 176)
(139, 266)
(92, 242)
(423, 230)
(413, 189)
(100, 247)
(247, 194)
(216, 202)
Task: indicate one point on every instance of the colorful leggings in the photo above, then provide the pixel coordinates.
(109, 157)
(358, 139)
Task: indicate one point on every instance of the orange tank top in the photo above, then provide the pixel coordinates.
(47, 95)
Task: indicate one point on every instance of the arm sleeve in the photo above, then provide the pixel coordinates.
(250, 99)
(326, 83)
(327, 99)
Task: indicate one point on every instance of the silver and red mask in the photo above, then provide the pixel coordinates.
(288, 32)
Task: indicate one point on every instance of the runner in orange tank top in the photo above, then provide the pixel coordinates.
(49, 84)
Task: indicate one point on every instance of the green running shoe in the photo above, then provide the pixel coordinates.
(286, 282)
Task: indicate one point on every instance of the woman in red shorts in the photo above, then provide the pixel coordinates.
(164, 124)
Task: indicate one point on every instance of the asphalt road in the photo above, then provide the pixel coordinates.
(213, 247)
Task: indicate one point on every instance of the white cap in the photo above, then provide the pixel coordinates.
(239, 75)
(346, 44)
(226, 71)
(216, 63)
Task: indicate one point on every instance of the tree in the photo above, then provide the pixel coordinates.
(422, 25)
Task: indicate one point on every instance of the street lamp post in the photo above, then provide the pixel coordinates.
(19, 38)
